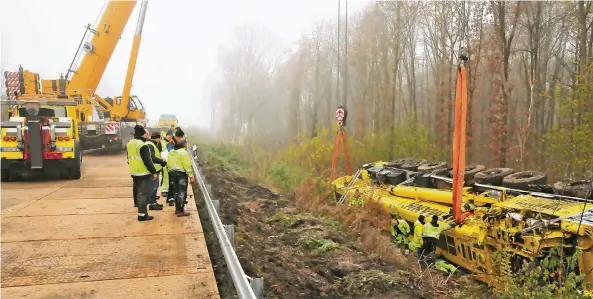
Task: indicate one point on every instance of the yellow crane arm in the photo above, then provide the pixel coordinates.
(121, 108)
(98, 52)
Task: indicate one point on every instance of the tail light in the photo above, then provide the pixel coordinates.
(12, 138)
(6, 138)
(66, 138)
(60, 138)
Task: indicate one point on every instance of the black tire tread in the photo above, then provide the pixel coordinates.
(522, 180)
(428, 167)
(492, 176)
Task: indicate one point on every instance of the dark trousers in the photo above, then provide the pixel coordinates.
(429, 246)
(155, 188)
(142, 191)
(171, 194)
(179, 181)
(135, 190)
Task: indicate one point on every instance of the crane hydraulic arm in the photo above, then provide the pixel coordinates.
(87, 76)
(121, 109)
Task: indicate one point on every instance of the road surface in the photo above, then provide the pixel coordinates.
(81, 239)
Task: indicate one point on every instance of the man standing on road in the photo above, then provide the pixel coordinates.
(155, 153)
(142, 171)
(180, 170)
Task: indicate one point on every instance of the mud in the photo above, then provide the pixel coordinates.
(299, 255)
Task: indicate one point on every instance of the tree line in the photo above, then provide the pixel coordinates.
(530, 81)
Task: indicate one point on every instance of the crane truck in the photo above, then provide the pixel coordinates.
(40, 136)
(102, 122)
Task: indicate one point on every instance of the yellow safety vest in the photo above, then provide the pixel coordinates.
(417, 239)
(180, 160)
(157, 153)
(433, 232)
(135, 164)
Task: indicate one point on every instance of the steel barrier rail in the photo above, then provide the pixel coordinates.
(238, 276)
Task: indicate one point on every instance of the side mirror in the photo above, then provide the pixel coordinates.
(195, 150)
(82, 118)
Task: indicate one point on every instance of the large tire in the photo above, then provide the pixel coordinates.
(574, 187)
(75, 171)
(428, 167)
(5, 175)
(470, 172)
(492, 176)
(440, 184)
(412, 165)
(398, 163)
(396, 177)
(522, 180)
(424, 181)
(373, 171)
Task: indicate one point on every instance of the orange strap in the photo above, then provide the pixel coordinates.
(459, 136)
(340, 138)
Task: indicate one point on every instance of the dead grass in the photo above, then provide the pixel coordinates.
(367, 224)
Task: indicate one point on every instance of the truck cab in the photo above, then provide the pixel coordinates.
(40, 137)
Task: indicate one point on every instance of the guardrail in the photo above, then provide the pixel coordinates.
(240, 280)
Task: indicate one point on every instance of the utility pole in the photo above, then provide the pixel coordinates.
(346, 57)
(338, 64)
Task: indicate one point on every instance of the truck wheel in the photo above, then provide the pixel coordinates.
(574, 187)
(492, 176)
(522, 180)
(75, 169)
(427, 167)
(5, 175)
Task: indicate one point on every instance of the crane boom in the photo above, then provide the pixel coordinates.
(100, 49)
(132, 63)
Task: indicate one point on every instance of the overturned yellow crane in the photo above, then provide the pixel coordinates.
(499, 228)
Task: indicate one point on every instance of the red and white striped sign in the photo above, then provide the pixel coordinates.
(12, 84)
(340, 116)
(111, 128)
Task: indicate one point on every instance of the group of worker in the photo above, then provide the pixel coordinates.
(147, 162)
(425, 237)
(426, 234)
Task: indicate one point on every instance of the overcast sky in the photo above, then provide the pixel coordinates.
(178, 49)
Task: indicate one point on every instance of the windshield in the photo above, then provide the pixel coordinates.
(136, 103)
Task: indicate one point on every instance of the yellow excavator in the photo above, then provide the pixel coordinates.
(102, 122)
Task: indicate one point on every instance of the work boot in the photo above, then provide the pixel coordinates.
(146, 217)
(182, 214)
(171, 202)
(155, 207)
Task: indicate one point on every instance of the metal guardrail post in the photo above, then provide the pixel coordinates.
(216, 203)
(242, 285)
(257, 285)
(230, 232)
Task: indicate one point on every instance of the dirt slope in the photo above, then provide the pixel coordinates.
(300, 255)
